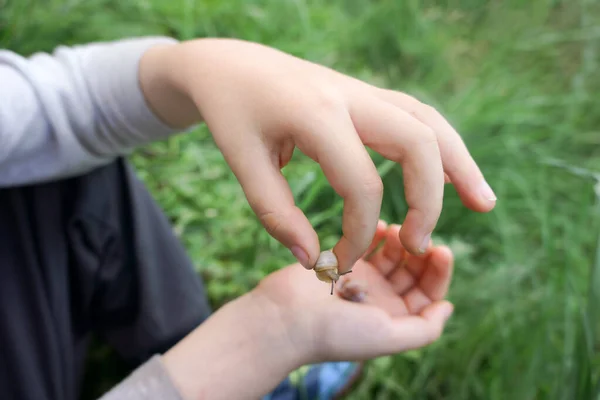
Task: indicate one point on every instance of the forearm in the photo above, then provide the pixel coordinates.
(241, 352)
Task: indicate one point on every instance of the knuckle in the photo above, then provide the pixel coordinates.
(372, 187)
(428, 111)
(272, 221)
(327, 100)
(420, 109)
(424, 137)
(427, 213)
(427, 136)
(416, 108)
(318, 108)
(431, 216)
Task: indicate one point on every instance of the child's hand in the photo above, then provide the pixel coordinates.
(260, 103)
(404, 307)
(252, 343)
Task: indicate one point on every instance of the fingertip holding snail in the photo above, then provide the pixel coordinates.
(326, 269)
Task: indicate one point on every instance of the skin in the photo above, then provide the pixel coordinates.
(233, 356)
(260, 104)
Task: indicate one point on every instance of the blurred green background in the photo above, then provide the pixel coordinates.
(518, 79)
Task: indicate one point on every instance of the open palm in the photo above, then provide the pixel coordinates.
(404, 308)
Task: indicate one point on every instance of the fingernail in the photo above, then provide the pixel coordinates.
(301, 256)
(487, 192)
(425, 244)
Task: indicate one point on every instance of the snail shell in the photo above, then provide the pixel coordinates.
(326, 268)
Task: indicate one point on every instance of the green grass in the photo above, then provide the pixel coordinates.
(520, 80)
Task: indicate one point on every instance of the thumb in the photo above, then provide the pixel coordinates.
(271, 199)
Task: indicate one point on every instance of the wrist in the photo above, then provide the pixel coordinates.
(288, 328)
(243, 351)
(159, 71)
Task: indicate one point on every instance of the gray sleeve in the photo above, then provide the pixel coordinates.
(65, 113)
(149, 381)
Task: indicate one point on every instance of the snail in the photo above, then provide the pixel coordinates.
(326, 268)
(353, 290)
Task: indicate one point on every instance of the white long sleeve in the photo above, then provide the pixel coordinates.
(65, 113)
(150, 381)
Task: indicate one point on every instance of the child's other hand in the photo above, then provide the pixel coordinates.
(290, 320)
(260, 103)
(404, 307)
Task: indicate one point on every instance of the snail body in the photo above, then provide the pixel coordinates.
(353, 290)
(326, 268)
